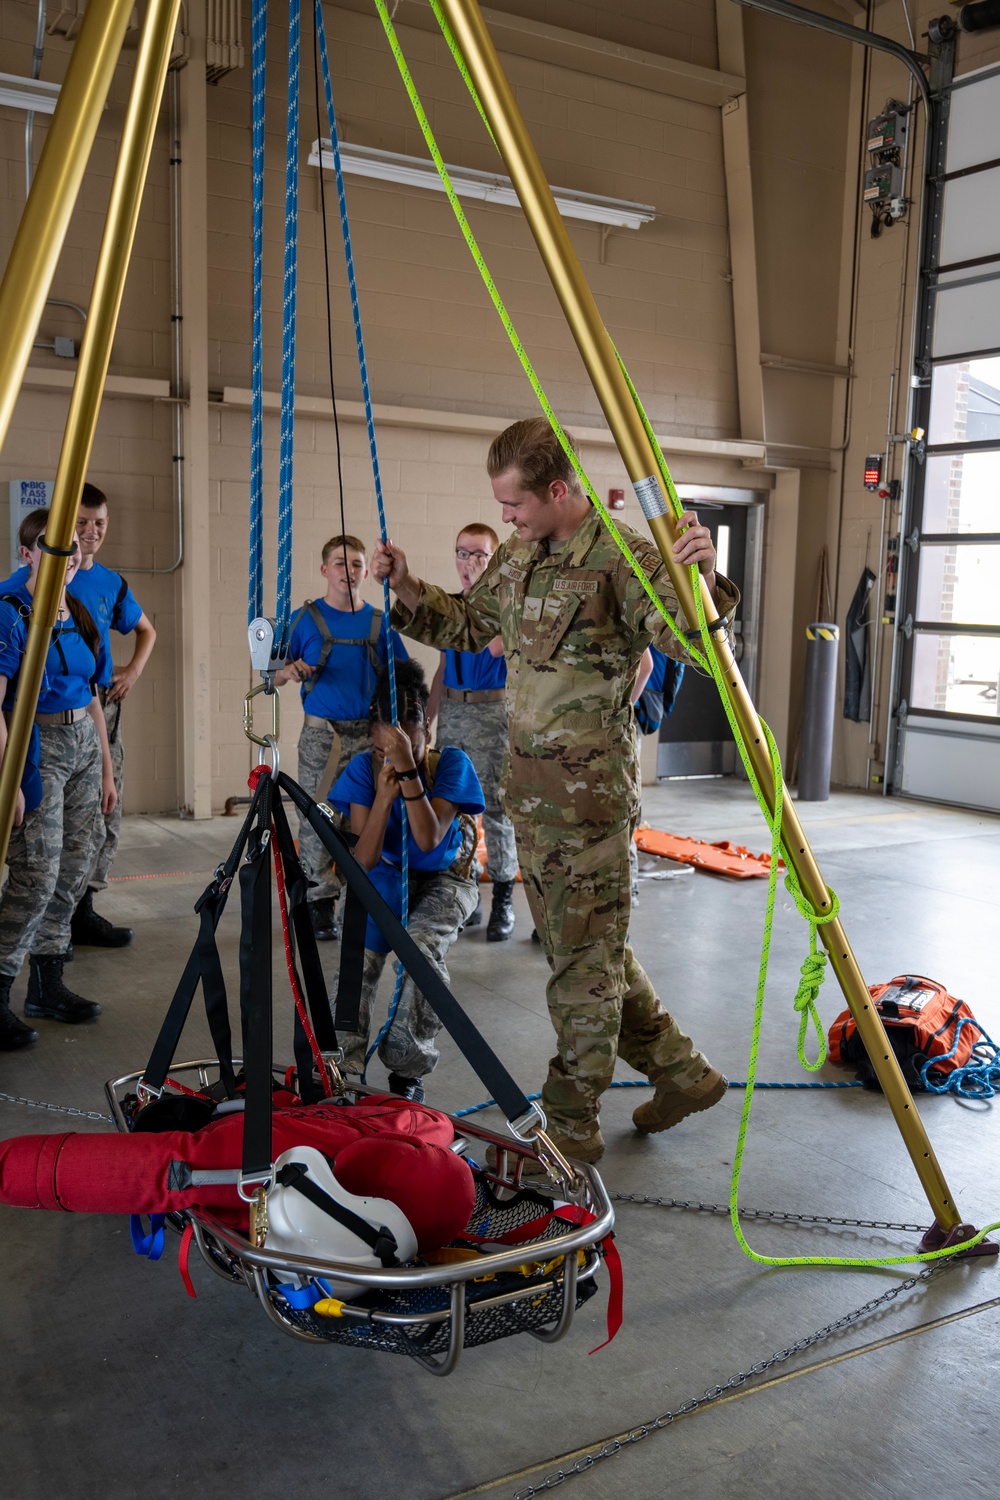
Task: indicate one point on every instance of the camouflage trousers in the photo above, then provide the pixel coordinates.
(108, 828)
(601, 1002)
(315, 744)
(440, 902)
(50, 855)
(480, 729)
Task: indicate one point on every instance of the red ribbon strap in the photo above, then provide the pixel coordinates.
(616, 1288)
(183, 1255)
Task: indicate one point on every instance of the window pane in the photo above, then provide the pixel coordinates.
(956, 673)
(962, 492)
(965, 402)
(960, 584)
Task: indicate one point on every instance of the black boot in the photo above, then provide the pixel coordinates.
(501, 923)
(477, 916)
(13, 1033)
(49, 997)
(91, 930)
(407, 1088)
(324, 920)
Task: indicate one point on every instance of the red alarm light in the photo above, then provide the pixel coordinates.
(873, 471)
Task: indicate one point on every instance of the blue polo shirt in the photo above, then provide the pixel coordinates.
(107, 598)
(476, 670)
(455, 780)
(110, 603)
(71, 670)
(344, 689)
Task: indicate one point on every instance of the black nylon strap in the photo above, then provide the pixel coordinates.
(350, 977)
(381, 1241)
(205, 966)
(255, 989)
(480, 1056)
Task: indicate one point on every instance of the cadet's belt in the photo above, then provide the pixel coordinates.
(68, 716)
(313, 721)
(476, 695)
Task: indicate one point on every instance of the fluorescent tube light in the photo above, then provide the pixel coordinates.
(488, 187)
(28, 93)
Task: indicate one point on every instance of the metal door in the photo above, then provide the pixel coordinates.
(695, 739)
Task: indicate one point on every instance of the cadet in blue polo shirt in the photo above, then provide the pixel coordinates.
(469, 700)
(441, 793)
(337, 651)
(112, 606)
(52, 841)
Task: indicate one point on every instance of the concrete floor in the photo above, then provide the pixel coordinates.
(116, 1384)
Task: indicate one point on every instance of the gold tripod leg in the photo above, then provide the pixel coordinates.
(95, 351)
(566, 274)
(39, 239)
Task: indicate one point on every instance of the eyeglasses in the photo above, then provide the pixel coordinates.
(464, 555)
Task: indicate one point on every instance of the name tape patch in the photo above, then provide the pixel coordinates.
(575, 586)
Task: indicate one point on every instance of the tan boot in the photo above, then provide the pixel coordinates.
(669, 1106)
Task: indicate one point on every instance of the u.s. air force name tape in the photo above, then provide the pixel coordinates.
(650, 497)
(822, 633)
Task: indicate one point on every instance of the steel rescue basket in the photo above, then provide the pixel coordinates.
(528, 1255)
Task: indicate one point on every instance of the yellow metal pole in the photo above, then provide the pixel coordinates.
(549, 231)
(138, 130)
(56, 183)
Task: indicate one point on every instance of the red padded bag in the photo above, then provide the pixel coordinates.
(406, 1160)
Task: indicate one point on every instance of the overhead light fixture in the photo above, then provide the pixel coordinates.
(488, 187)
(28, 93)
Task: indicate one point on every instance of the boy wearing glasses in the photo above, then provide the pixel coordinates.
(469, 699)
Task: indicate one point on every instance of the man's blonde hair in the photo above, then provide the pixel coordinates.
(338, 543)
(532, 448)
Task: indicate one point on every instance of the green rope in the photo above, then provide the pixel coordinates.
(812, 971)
(814, 967)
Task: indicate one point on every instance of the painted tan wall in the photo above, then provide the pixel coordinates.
(434, 344)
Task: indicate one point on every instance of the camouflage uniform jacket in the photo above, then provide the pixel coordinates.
(574, 621)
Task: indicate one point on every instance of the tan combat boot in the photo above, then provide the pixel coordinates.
(670, 1105)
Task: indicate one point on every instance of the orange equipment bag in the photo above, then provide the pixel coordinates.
(926, 1028)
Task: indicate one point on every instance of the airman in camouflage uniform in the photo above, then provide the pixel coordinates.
(575, 622)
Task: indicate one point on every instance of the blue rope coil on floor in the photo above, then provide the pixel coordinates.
(978, 1079)
(352, 281)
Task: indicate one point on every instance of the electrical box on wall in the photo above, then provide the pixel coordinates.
(887, 132)
(616, 499)
(883, 184)
(884, 190)
(873, 471)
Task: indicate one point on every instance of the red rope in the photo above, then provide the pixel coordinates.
(293, 978)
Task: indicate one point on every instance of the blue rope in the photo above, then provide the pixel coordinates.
(644, 1083)
(283, 606)
(255, 601)
(976, 1080)
(376, 471)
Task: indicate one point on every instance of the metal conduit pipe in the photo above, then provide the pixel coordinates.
(37, 53)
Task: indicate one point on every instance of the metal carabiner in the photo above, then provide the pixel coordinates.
(248, 729)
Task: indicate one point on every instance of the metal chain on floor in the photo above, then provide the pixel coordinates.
(773, 1215)
(613, 1446)
(59, 1109)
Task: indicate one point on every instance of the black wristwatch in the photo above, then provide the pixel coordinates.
(408, 775)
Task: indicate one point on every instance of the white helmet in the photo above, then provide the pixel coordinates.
(309, 1213)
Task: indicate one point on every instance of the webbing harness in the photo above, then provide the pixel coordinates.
(368, 643)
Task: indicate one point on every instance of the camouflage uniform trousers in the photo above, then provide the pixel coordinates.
(315, 743)
(108, 827)
(441, 901)
(480, 729)
(51, 854)
(601, 1002)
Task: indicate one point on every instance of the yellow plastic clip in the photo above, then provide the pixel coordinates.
(329, 1307)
